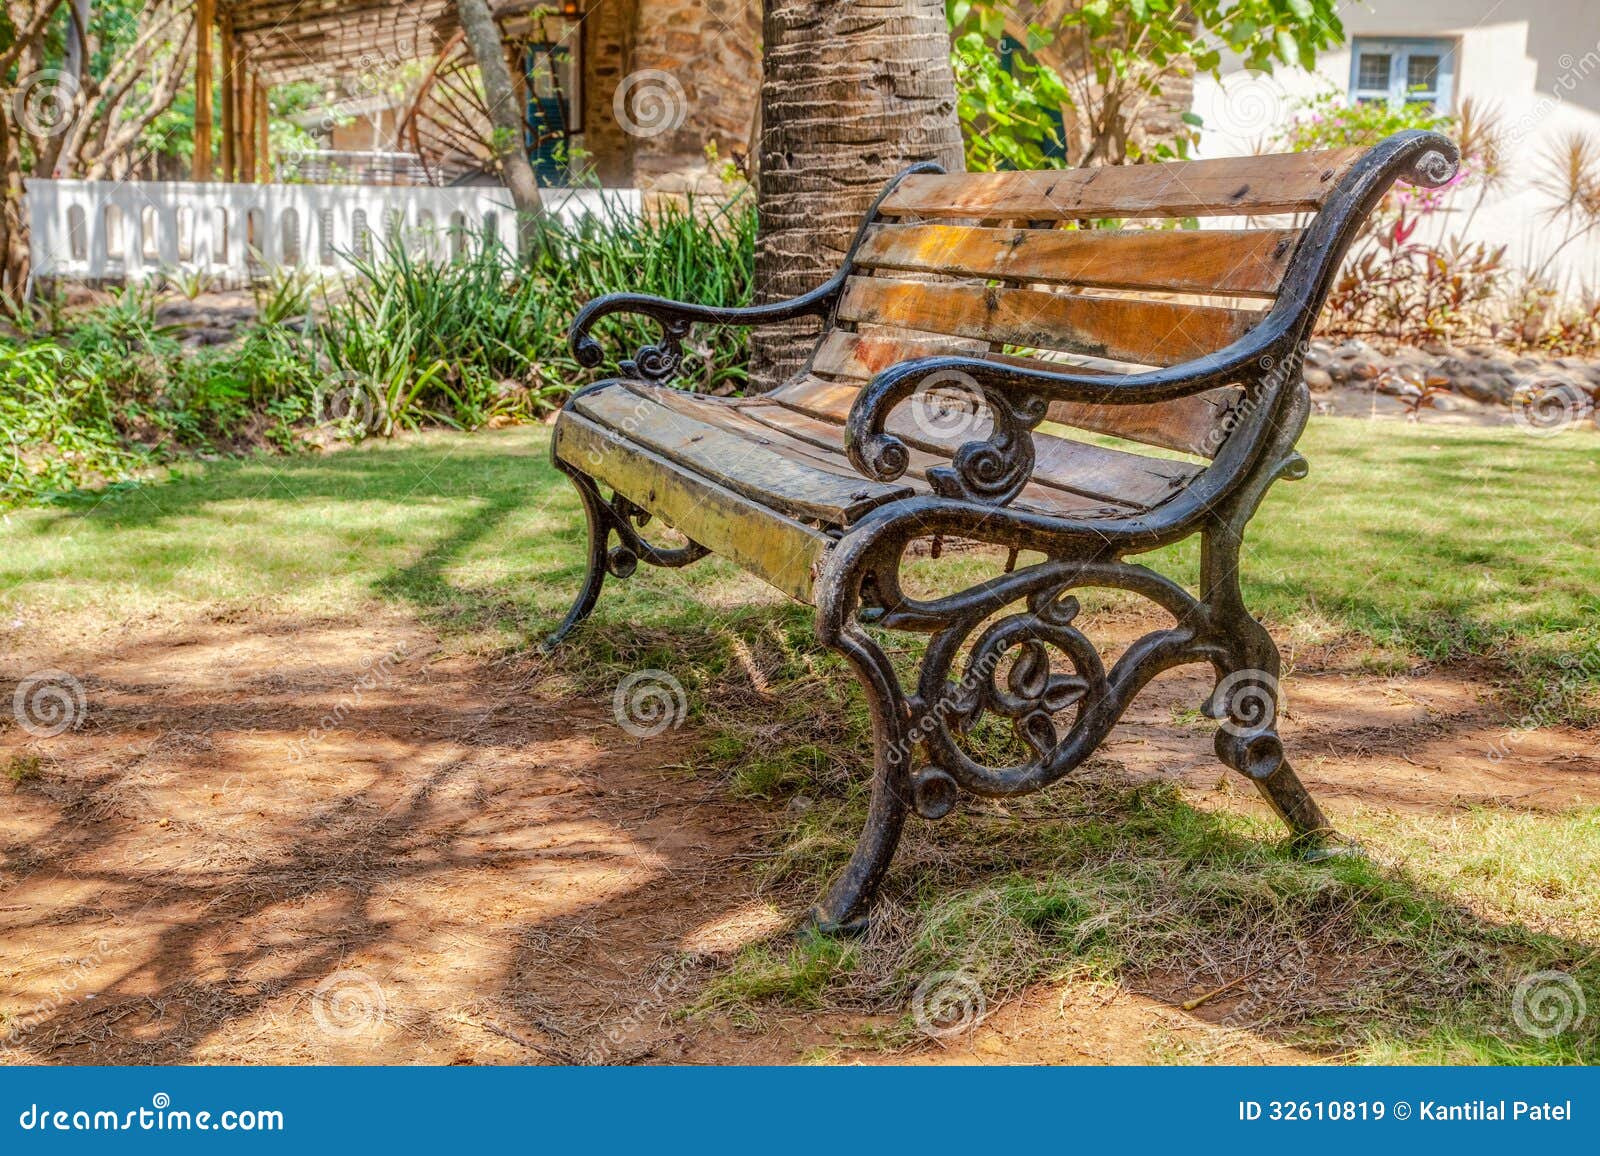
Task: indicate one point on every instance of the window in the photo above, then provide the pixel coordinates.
(1400, 71)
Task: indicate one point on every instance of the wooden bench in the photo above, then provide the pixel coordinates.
(975, 317)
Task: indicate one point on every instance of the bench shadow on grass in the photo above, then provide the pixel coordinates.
(1313, 938)
(1129, 880)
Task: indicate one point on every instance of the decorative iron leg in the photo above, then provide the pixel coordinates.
(1246, 696)
(843, 910)
(1246, 699)
(1289, 800)
(599, 519)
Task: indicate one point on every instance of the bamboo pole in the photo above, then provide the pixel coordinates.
(263, 139)
(204, 78)
(230, 103)
(247, 128)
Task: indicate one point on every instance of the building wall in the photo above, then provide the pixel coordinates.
(1536, 61)
(608, 38)
(703, 59)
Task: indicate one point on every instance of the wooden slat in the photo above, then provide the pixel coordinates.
(1236, 263)
(863, 355)
(1098, 472)
(1186, 424)
(1276, 183)
(743, 466)
(821, 442)
(1117, 328)
(778, 549)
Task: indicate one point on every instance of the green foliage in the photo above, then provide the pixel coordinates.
(1010, 106)
(1328, 121)
(99, 395)
(1130, 50)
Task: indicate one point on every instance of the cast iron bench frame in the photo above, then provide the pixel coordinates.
(854, 573)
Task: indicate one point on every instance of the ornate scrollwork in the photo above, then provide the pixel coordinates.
(1008, 672)
(1433, 169)
(627, 519)
(996, 469)
(991, 469)
(660, 362)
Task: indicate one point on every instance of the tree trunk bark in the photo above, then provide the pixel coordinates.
(852, 92)
(488, 50)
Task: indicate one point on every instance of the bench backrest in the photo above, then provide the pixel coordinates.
(1018, 266)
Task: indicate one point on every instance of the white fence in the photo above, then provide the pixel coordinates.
(130, 231)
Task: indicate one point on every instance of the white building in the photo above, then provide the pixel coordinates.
(1536, 62)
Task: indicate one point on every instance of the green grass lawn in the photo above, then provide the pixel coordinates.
(1410, 544)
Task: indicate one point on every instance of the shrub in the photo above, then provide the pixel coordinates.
(102, 393)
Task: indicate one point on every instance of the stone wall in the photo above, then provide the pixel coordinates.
(608, 39)
(693, 75)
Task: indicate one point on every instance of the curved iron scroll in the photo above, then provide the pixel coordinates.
(624, 559)
(659, 362)
(1007, 672)
(992, 469)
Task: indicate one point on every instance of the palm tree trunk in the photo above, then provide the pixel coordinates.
(489, 51)
(852, 92)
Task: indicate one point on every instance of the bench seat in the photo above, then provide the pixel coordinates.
(786, 450)
(780, 458)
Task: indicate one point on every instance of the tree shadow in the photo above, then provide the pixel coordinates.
(324, 863)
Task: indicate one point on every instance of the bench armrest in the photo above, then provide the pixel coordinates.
(660, 361)
(1018, 399)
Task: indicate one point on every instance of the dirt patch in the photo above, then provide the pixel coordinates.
(279, 841)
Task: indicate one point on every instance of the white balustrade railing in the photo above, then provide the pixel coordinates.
(131, 230)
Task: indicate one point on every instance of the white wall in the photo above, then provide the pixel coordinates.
(231, 232)
(1538, 61)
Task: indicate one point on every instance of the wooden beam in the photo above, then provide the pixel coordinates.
(247, 126)
(263, 138)
(230, 102)
(204, 79)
